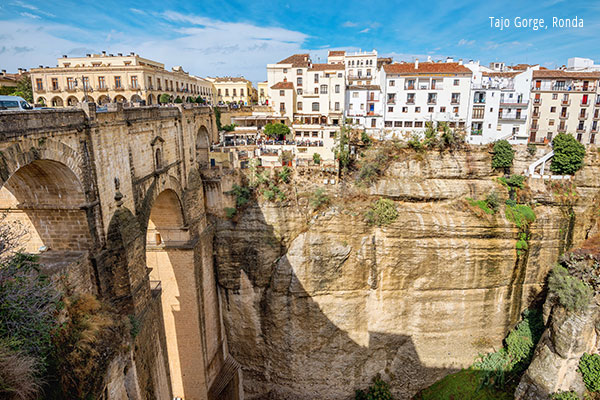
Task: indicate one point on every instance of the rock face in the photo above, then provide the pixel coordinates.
(554, 366)
(315, 304)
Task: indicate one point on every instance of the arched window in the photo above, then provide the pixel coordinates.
(315, 106)
(158, 159)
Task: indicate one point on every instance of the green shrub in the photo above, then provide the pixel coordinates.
(564, 396)
(572, 293)
(319, 198)
(134, 325)
(514, 181)
(276, 130)
(531, 149)
(382, 212)
(482, 204)
(379, 390)
(316, 158)
(230, 212)
(342, 149)
(522, 242)
(568, 154)
(415, 142)
(495, 368)
(241, 193)
(178, 100)
(519, 214)
(229, 128)
(284, 174)
(366, 139)
(521, 341)
(503, 154)
(589, 366)
(164, 98)
(493, 201)
(273, 193)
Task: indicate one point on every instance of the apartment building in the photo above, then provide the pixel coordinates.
(263, 93)
(234, 90)
(364, 107)
(499, 103)
(564, 101)
(104, 78)
(312, 96)
(416, 93)
(8, 81)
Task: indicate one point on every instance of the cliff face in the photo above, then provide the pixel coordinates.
(315, 304)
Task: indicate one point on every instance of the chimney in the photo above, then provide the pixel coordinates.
(460, 62)
(64, 56)
(40, 66)
(449, 59)
(120, 54)
(3, 72)
(19, 69)
(88, 55)
(428, 58)
(417, 63)
(104, 52)
(132, 53)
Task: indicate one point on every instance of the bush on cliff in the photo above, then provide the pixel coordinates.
(565, 396)
(519, 214)
(589, 366)
(319, 199)
(241, 193)
(379, 390)
(382, 212)
(503, 155)
(568, 154)
(571, 292)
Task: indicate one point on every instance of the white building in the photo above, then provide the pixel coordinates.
(416, 93)
(499, 104)
(582, 64)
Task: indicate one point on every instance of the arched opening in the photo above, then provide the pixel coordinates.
(46, 199)
(72, 101)
(56, 102)
(41, 100)
(202, 146)
(120, 99)
(170, 257)
(102, 100)
(150, 99)
(87, 98)
(136, 99)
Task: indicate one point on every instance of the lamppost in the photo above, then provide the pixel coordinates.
(85, 88)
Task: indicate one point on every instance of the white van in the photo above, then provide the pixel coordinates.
(14, 103)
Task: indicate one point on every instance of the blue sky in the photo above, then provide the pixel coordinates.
(211, 38)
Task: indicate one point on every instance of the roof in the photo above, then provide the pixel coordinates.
(426, 68)
(501, 74)
(297, 60)
(522, 67)
(327, 67)
(549, 73)
(283, 85)
(337, 53)
(229, 79)
(364, 87)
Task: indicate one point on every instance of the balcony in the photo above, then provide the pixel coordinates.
(535, 115)
(517, 105)
(512, 117)
(455, 101)
(409, 87)
(582, 116)
(537, 101)
(102, 89)
(585, 104)
(479, 101)
(564, 116)
(392, 101)
(432, 102)
(566, 102)
(410, 101)
(580, 130)
(534, 128)
(40, 90)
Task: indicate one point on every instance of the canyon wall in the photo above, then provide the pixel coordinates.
(315, 303)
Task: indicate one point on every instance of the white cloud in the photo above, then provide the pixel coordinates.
(349, 24)
(137, 11)
(203, 46)
(465, 42)
(30, 7)
(366, 30)
(30, 15)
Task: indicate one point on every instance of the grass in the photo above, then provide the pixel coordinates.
(482, 204)
(463, 385)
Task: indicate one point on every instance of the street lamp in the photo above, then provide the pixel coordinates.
(85, 97)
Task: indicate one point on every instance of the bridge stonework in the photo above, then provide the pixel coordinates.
(116, 201)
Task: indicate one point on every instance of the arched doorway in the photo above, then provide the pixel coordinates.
(150, 99)
(87, 98)
(41, 100)
(72, 101)
(202, 147)
(120, 99)
(170, 257)
(45, 199)
(56, 102)
(102, 100)
(136, 99)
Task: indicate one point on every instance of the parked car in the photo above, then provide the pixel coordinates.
(14, 103)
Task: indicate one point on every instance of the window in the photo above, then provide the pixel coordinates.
(455, 98)
(392, 82)
(552, 109)
(362, 106)
(418, 124)
(443, 109)
(316, 78)
(299, 92)
(554, 96)
(285, 70)
(86, 82)
(404, 109)
(337, 106)
(323, 89)
(299, 81)
(337, 88)
(38, 84)
(54, 83)
(134, 82)
(282, 93)
(101, 83)
(390, 109)
(410, 98)
(282, 107)
(408, 124)
(430, 109)
(456, 82)
(431, 98)
(315, 106)
(316, 91)
(70, 83)
(351, 106)
(234, 92)
(299, 71)
(299, 106)
(551, 122)
(219, 92)
(354, 95)
(226, 92)
(417, 109)
(387, 124)
(242, 92)
(150, 82)
(158, 159)
(339, 74)
(455, 110)
(368, 72)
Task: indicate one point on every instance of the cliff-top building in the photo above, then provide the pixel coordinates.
(234, 90)
(104, 78)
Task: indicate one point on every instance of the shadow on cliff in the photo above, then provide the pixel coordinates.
(287, 345)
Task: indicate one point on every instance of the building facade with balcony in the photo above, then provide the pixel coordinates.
(105, 78)
(234, 90)
(417, 93)
(364, 107)
(499, 105)
(564, 101)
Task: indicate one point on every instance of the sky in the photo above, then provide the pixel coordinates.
(230, 38)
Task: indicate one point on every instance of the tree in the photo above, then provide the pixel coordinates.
(218, 118)
(568, 154)
(317, 158)
(24, 89)
(178, 100)
(277, 131)
(200, 100)
(164, 98)
(503, 155)
(342, 150)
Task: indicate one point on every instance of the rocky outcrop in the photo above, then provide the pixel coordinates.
(316, 304)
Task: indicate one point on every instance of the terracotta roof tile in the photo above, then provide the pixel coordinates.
(337, 52)
(297, 60)
(283, 85)
(426, 68)
(327, 67)
(229, 79)
(565, 74)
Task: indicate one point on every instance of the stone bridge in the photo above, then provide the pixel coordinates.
(115, 201)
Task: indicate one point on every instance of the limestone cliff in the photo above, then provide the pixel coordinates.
(316, 303)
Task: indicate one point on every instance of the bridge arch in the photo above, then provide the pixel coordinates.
(202, 146)
(171, 259)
